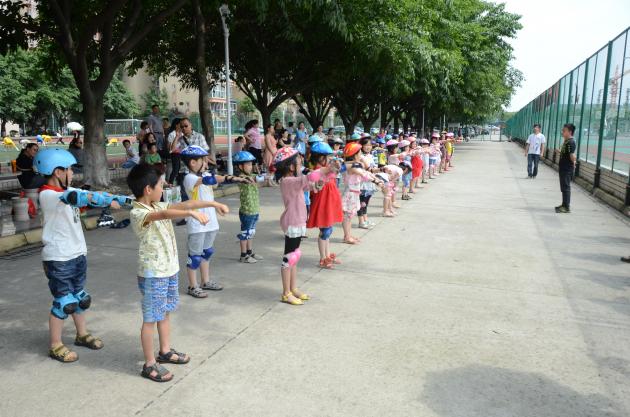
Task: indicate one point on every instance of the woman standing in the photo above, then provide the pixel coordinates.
(24, 163)
(301, 134)
(254, 142)
(270, 146)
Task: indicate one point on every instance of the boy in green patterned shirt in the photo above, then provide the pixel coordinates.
(250, 207)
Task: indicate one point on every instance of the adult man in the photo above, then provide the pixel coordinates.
(566, 167)
(534, 147)
(155, 126)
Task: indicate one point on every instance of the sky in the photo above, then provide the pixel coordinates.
(558, 35)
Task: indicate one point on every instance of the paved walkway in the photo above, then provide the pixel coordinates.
(478, 300)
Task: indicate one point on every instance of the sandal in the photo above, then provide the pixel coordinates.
(61, 353)
(334, 259)
(300, 295)
(160, 373)
(350, 241)
(294, 302)
(196, 292)
(167, 357)
(89, 341)
(326, 263)
(212, 286)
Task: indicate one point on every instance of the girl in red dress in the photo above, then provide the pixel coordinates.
(325, 200)
(416, 164)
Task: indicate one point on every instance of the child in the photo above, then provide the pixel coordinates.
(380, 155)
(434, 155)
(392, 152)
(293, 184)
(326, 203)
(152, 157)
(416, 164)
(393, 174)
(64, 252)
(250, 206)
(406, 179)
(450, 138)
(158, 265)
(367, 187)
(424, 145)
(198, 185)
(132, 157)
(354, 176)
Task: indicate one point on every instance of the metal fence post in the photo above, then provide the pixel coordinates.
(579, 138)
(602, 120)
(555, 142)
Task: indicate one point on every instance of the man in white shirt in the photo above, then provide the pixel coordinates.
(535, 146)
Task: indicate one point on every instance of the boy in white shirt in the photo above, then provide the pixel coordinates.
(64, 252)
(198, 186)
(158, 265)
(534, 148)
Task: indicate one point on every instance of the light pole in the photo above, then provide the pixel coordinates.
(224, 10)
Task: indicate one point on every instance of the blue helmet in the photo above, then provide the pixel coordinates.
(355, 136)
(388, 137)
(47, 160)
(314, 139)
(321, 148)
(301, 148)
(380, 140)
(243, 156)
(194, 151)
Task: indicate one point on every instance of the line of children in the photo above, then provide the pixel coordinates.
(158, 265)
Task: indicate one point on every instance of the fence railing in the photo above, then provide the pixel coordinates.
(595, 97)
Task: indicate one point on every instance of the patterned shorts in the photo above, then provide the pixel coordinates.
(159, 296)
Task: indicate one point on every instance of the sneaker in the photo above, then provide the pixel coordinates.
(563, 209)
(371, 223)
(256, 256)
(247, 259)
(363, 226)
(105, 220)
(212, 286)
(182, 222)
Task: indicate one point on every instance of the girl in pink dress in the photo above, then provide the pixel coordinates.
(354, 176)
(288, 165)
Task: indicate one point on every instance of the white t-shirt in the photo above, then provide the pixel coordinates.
(205, 193)
(132, 155)
(62, 232)
(535, 143)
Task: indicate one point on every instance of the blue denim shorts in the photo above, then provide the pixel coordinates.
(66, 277)
(159, 296)
(248, 226)
(406, 179)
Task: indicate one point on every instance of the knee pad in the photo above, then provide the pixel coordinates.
(84, 299)
(325, 232)
(246, 234)
(194, 261)
(63, 306)
(291, 258)
(207, 253)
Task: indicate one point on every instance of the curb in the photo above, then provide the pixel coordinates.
(34, 236)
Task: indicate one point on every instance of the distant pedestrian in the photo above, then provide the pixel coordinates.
(156, 126)
(534, 148)
(566, 167)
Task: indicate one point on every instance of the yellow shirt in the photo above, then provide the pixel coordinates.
(449, 147)
(157, 251)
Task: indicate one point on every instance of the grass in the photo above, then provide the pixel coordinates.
(7, 155)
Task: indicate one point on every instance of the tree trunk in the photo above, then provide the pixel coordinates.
(205, 113)
(95, 169)
(3, 128)
(396, 123)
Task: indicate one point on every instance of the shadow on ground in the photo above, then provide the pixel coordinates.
(487, 391)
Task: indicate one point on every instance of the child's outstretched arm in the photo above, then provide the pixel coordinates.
(173, 213)
(188, 205)
(84, 198)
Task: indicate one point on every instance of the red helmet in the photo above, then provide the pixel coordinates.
(351, 149)
(283, 154)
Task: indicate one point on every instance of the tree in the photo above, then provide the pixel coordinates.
(94, 38)
(154, 96)
(17, 98)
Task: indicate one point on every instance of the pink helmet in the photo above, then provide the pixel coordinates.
(283, 154)
(424, 141)
(391, 142)
(450, 135)
(404, 143)
(435, 135)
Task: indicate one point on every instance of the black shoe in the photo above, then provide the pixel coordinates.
(563, 209)
(557, 208)
(625, 259)
(533, 177)
(182, 222)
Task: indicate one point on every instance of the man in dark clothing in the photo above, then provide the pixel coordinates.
(566, 167)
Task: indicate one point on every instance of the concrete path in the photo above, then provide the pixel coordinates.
(478, 300)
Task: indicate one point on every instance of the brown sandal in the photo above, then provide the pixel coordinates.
(61, 353)
(89, 341)
(160, 373)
